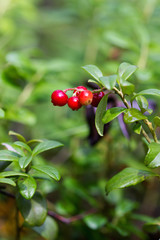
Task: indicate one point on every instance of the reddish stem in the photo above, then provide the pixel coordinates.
(69, 89)
(70, 219)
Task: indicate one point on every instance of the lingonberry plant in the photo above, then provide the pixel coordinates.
(24, 175)
(137, 118)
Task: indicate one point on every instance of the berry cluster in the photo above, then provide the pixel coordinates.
(81, 96)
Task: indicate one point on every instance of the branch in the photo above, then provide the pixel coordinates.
(70, 219)
(127, 106)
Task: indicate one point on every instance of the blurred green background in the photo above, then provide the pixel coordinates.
(43, 44)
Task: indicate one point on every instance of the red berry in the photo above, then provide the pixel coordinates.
(80, 88)
(97, 98)
(73, 103)
(85, 97)
(59, 98)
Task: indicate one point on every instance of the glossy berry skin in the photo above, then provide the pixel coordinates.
(80, 88)
(73, 103)
(97, 98)
(85, 97)
(59, 98)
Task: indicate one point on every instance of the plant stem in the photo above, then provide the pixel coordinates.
(127, 106)
(70, 219)
(70, 89)
(99, 90)
(146, 135)
(150, 126)
(122, 97)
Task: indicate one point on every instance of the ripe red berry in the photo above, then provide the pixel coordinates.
(73, 103)
(97, 98)
(85, 97)
(59, 98)
(80, 88)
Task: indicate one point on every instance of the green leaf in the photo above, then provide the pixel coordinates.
(95, 82)
(154, 92)
(12, 174)
(95, 221)
(33, 141)
(49, 170)
(94, 71)
(143, 103)
(8, 155)
(125, 70)
(25, 161)
(27, 187)
(7, 181)
(19, 136)
(45, 145)
(128, 177)
(156, 121)
(99, 114)
(112, 113)
(127, 88)
(48, 229)
(2, 113)
(109, 81)
(12, 147)
(132, 115)
(152, 158)
(34, 210)
(23, 145)
(137, 128)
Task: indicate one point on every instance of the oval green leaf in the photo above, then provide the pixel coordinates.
(8, 155)
(27, 186)
(128, 177)
(99, 114)
(49, 170)
(132, 115)
(23, 145)
(142, 102)
(19, 136)
(94, 71)
(13, 148)
(34, 210)
(109, 81)
(33, 141)
(25, 161)
(152, 158)
(45, 145)
(112, 113)
(125, 70)
(12, 174)
(7, 181)
(154, 92)
(127, 88)
(48, 229)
